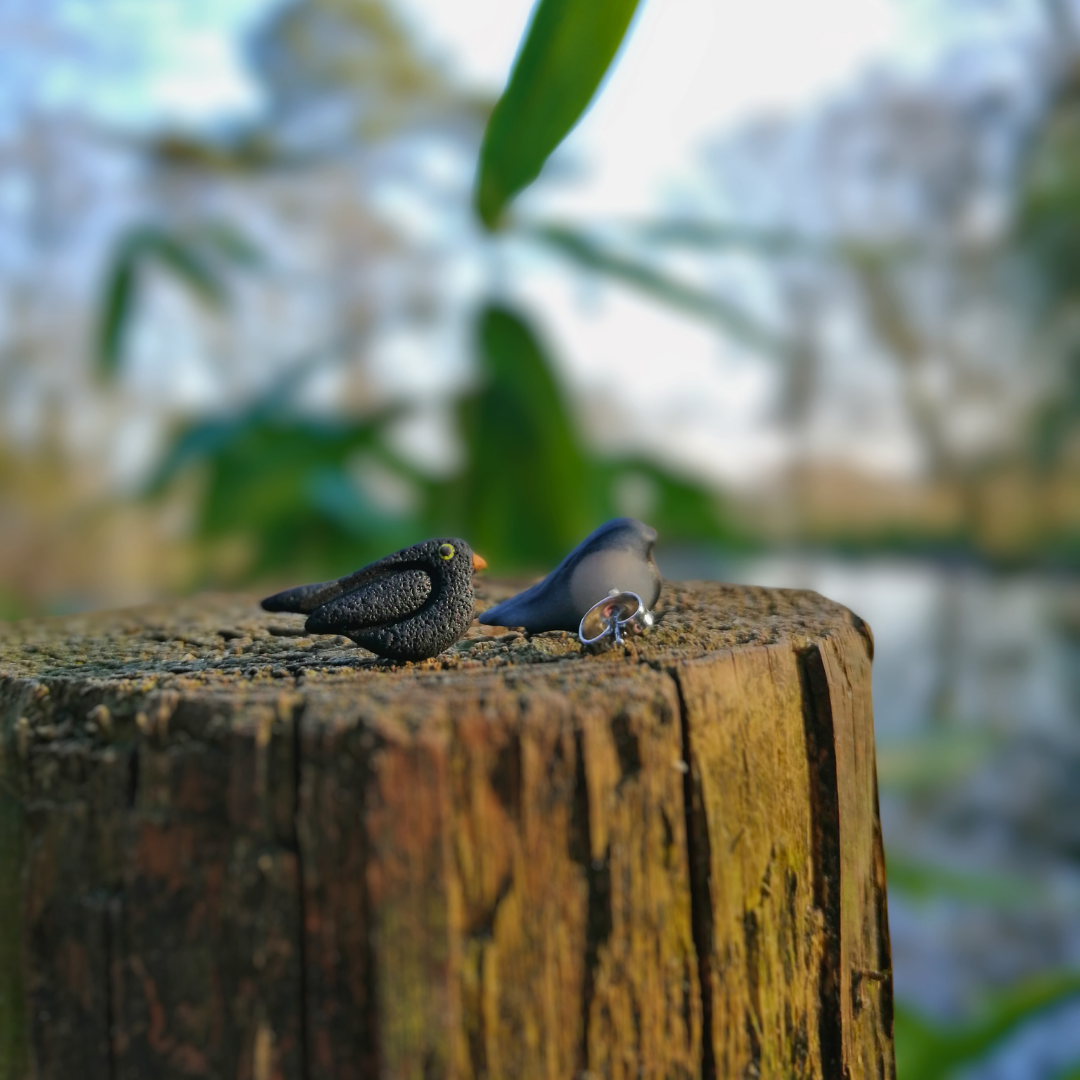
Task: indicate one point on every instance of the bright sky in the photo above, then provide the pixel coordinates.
(690, 68)
(141, 62)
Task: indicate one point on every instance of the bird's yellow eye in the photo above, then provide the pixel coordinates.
(446, 551)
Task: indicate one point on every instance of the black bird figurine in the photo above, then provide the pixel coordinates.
(616, 557)
(407, 606)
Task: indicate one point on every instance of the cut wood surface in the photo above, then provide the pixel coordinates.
(230, 849)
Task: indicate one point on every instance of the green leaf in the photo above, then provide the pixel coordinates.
(567, 50)
(209, 438)
(532, 487)
(230, 244)
(116, 310)
(927, 1050)
(336, 495)
(283, 490)
(282, 486)
(194, 443)
(183, 256)
(772, 243)
(711, 235)
(529, 493)
(729, 317)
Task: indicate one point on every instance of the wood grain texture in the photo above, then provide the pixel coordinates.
(228, 849)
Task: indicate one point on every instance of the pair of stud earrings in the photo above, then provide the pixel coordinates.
(415, 603)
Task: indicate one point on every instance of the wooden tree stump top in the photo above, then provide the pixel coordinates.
(217, 639)
(233, 849)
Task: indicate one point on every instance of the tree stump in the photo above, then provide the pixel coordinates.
(230, 849)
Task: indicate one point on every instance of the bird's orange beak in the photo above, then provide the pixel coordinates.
(478, 563)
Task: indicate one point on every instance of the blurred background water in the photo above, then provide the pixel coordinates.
(800, 289)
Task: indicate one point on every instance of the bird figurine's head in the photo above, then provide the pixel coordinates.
(445, 558)
(617, 556)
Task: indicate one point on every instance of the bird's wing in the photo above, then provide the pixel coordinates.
(388, 598)
(304, 599)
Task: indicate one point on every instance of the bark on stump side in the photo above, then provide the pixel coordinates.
(228, 849)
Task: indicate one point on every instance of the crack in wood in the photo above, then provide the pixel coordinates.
(370, 746)
(296, 718)
(698, 857)
(598, 919)
(881, 911)
(114, 959)
(627, 746)
(132, 793)
(825, 849)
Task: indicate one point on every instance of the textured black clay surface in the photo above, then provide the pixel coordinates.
(410, 605)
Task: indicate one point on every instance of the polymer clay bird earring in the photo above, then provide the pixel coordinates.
(407, 606)
(616, 558)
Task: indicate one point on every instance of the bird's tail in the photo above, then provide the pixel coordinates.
(304, 599)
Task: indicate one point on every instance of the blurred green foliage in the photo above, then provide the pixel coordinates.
(936, 1050)
(1048, 221)
(923, 882)
(281, 484)
(199, 257)
(934, 760)
(355, 51)
(526, 494)
(291, 488)
(926, 1050)
(650, 279)
(11, 608)
(533, 489)
(1046, 243)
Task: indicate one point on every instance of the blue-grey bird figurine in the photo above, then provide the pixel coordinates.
(618, 556)
(407, 606)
